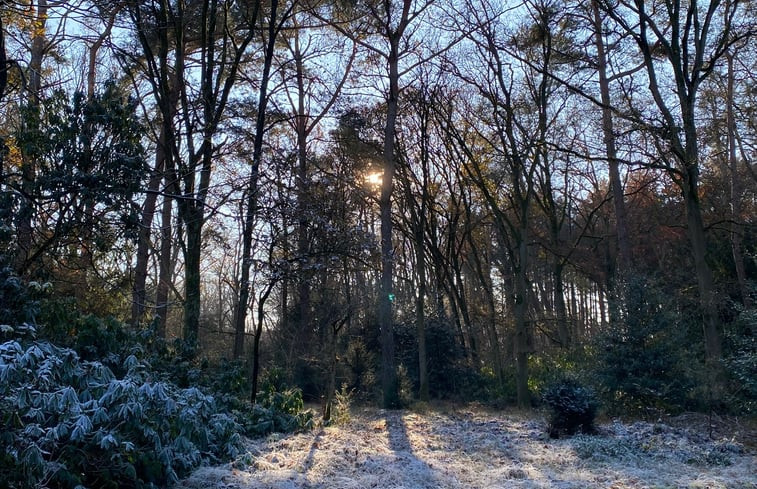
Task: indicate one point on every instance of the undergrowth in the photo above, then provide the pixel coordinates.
(71, 422)
(91, 402)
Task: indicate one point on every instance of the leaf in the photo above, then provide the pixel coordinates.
(131, 362)
(84, 424)
(69, 398)
(100, 416)
(108, 442)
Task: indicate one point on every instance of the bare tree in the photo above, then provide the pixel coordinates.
(217, 33)
(680, 44)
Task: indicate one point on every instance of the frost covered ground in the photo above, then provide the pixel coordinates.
(473, 448)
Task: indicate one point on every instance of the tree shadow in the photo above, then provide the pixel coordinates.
(416, 472)
(307, 463)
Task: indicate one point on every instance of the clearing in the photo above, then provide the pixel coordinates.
(471, 447)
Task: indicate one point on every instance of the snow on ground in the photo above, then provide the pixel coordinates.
(470, 448)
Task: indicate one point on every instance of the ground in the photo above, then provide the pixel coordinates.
(474, 448)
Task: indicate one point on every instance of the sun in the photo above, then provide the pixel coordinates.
(374, 179)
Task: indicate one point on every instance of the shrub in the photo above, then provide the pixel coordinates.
(450, 375)
(573, 408)
(278, 408)
(741, 362)
(359, 363)
(639, 363)
(341, 408)
(18, 300)
(71, 422)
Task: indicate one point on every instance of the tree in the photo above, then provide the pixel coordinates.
(39, 47)
(275, 22)
(503, 155)
(217, 33)
(608, 135)
(684, 41)
(310, 96)
(383, 28)
(89, 163)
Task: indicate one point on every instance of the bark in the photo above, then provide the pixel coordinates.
(561, 313)
(192, 276)
(708, 296)
(254, 378)
(388, 373)
(625, 258)
(252, 184)
(303, 183)
(333, 362)
(483, 271)
(4, 65)
(736, 189)
(93, 50)
(165, 266)
(522, 348)
(163, 152)
(707, 293)
(24, 228)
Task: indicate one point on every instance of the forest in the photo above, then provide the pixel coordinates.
(225, 218)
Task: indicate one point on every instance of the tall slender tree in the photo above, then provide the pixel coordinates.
(217, 33)
(680, 45)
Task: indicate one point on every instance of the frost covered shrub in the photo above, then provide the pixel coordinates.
(573, 407)
(70, 422)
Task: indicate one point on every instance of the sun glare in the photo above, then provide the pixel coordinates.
(374, 179)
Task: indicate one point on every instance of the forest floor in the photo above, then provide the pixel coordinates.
(471, 447)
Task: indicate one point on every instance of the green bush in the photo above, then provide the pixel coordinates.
(278, 408)
(450, 376)
(71, 422)
(341, 411)
(639, 363)
(573, 407)
(741, 362)
(18, 300)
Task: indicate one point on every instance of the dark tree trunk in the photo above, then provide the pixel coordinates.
(252, 186)
(24, 228)
(388, 373)
(624, 259)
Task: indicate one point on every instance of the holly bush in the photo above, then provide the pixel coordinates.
(573, 407)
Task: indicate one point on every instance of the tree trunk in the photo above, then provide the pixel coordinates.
(420, 310)
(707, 293)
(736, 191)
(252, 189)
(3, 76)
(255, 353)
(192, 279)
(608, 133)
(165, 265)
(563, 329)
(163, 154)
(303, 183)
(139, 291)
(24, 229)
(521, 345)
(389, 382)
